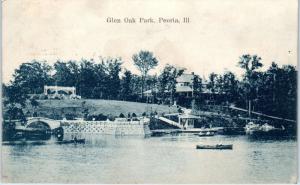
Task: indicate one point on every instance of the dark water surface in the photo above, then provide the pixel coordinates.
(166, 159)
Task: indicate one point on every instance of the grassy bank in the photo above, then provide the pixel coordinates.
(50, 108)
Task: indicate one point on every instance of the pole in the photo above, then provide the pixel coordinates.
(249, 106)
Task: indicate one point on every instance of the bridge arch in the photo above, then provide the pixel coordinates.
(46, 122)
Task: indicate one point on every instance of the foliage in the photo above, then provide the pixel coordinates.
(34, 103)
(14, 101)
(228, 84)
(250, 63)
(167, 81)
(272, 92)
(144, 61)
(212, 83)
(15, 113)
(113, 69)
(126, 85)
(66, 74)
(277, 91)
(197, 86)
(31, 77)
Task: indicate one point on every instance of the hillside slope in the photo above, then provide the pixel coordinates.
(95, 107)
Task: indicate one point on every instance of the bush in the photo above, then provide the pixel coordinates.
(35, 96)
(101, 117)
(70, 116)
(55, 116)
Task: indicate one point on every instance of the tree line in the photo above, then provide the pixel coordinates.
(271, 92)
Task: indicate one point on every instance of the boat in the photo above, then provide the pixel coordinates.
(250, 127)
(75, 141)
(217, 147)
(257, 130)
(206, 133)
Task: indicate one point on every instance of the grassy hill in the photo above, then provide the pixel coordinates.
(50, 108)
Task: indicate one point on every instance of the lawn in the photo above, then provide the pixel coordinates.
(95, 107)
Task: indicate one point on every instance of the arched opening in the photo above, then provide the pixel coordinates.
(38, 130)
(49, 91)
(63, 92)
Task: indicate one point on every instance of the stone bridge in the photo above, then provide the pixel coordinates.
(53, 124)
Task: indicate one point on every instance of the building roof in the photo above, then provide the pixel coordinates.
(185, 78)
(184, 89)
(63, 88)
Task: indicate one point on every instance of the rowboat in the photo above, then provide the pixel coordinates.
(75, 141)
(217, 147)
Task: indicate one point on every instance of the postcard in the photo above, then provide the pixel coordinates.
(149, 92)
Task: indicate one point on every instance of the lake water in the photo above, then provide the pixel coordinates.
(166, 159)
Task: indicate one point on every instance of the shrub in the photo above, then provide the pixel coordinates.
(70, 116)
(101, 117)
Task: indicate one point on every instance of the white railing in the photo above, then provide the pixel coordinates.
(166, 120)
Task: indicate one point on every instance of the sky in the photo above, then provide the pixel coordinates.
(219, 32)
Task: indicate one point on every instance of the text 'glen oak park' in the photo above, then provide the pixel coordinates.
(149, 20)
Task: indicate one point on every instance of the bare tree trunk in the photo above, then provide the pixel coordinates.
(143, 81)
(249, 110)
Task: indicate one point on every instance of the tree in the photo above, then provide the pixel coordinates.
(250, 63)
(197, 86)
(126, 91)
(277, 91)
(34, 104)
(151, 82)
(31, 77)
(15, 96)
(167, 81)
(87, 78)
(212, 85)
(290, 84)
(229, 86)
(144, 61)
(113, 69)
(136, 86)
(14, 101)
(62, 74)
(66, 73)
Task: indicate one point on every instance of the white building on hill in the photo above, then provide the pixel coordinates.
(60, 92)
(184, 85)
